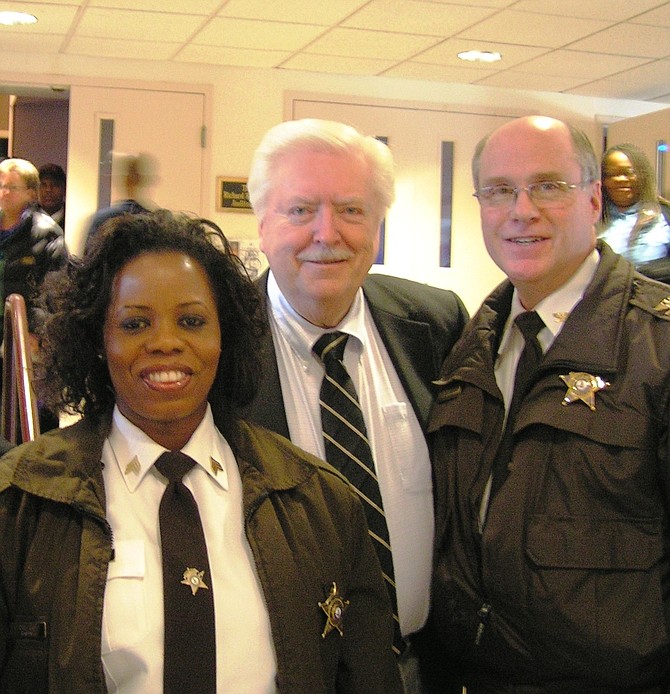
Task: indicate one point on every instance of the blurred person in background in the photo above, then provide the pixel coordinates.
(31, 242)
(132, 177)
(52, 192)
(635, 219)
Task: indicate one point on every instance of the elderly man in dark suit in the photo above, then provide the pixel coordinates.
(320, 191)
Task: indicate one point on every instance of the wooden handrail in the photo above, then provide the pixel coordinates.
(20, 421)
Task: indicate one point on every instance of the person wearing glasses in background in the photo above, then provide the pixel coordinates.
(552, 560)
(31, 244)
(635, 218)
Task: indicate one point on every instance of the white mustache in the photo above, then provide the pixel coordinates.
(324, 254)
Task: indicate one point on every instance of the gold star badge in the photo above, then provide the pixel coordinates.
(334, 608)
(194, 579)
(663, 306)
(582, 386)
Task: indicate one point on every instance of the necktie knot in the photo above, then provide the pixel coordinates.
(530, 324)
(330, 346)
(174, 465)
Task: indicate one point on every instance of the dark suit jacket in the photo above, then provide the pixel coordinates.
(418, 325)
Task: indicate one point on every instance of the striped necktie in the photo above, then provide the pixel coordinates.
(348, 450)
(189, 651)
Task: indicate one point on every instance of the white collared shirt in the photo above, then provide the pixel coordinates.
(132, 628)
(398, 445)
(553, 310)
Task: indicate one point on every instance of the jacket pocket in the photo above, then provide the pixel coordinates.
(589, 543)
(598, 583)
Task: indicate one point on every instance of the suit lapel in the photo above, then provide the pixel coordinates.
(409, 344)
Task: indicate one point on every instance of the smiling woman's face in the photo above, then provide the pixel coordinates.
(620, 180)
(162, 343)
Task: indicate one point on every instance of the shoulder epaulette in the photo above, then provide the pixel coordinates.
(651, 296)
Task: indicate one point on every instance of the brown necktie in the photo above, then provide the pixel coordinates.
(189, 651)
(530, 324)
(348, 450)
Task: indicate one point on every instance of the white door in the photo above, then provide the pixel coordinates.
(165, 124)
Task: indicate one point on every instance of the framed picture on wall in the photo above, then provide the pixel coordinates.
(232, 194)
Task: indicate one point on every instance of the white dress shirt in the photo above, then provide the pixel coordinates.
(132, 633)
(398, 445)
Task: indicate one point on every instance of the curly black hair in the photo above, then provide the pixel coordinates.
(73, 374)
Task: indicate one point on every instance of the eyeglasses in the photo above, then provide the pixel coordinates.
(12, 189)
(545, 194)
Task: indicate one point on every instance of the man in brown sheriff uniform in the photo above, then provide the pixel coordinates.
(552, 560)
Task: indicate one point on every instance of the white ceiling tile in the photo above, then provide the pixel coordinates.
(533, 29)
(302, 11)
(436, 73)
(612, 10)
(658, 17)
(127, 25)
(241, 57)
(513, 79)
(336, 64)
(17, 42)
(370, 44)
(199, 7)
(580, 65)
(491, 4)
(628, 39)
(645, 82)
(416, 17)
(118, 48)
(249, 33)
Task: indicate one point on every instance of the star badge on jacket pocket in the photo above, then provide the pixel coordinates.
(334, 607)
(582, 386)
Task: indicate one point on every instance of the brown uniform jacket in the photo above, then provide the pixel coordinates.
(567, 587)
(305, 527)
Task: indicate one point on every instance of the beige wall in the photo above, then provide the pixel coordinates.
(244, 103)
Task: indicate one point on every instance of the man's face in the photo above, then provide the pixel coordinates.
(320, 231)
(14, 195)
(51, 194)
(538, 248)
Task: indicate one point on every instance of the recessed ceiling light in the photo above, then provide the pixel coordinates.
(480, 56)
(11, 19)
